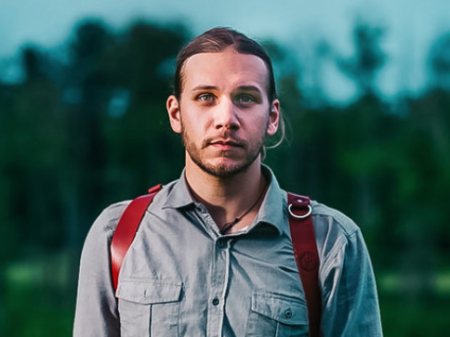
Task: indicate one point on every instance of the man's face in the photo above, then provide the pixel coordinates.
(224, 113)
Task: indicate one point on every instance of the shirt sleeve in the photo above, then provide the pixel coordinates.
(349, 295)
(96, 313)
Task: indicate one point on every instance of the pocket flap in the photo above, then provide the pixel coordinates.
(148, 291)
(283, 308)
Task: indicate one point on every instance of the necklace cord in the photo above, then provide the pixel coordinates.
(228, 225)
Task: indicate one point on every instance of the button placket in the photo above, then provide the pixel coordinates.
(219, 284)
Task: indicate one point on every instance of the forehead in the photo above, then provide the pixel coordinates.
(224, 69)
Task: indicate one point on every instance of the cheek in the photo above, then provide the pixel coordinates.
(192, 128)
(258, 129)
(197, 123)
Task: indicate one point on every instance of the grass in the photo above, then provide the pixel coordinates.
(415, 318)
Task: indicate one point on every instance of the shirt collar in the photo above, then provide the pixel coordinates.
(272, 210)
(179, 195)
(273, 207)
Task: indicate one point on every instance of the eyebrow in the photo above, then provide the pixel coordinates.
(212, 87)
(204, 87)
(249, 88)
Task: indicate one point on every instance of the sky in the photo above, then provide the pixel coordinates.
(411, 26)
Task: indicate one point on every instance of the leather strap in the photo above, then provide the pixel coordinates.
(126, 230)
(307, 257)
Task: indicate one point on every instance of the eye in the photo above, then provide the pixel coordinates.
(206, 97)
(245, 99)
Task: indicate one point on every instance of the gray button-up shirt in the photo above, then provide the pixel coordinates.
(181, 277)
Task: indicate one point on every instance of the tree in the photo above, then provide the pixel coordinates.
(368, 59)
(439, 63)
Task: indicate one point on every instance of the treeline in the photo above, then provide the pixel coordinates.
(87, 127)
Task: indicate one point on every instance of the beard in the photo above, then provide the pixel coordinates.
(223, 170)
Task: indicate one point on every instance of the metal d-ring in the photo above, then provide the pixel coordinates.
(300, 216)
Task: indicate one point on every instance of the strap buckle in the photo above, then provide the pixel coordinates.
(301, 203)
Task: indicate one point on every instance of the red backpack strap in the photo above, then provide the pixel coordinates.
(306, 256)
(126, 230)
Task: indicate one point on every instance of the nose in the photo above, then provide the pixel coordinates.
(225, 116)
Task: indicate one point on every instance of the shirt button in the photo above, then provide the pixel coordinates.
(288, 313)
(215, 301)
(221, 243)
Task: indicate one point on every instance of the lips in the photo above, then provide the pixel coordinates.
(226, 143)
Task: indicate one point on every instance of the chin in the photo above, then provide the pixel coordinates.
(224, 166)
(225, 169)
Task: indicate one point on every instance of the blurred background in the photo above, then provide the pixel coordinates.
(365, 86)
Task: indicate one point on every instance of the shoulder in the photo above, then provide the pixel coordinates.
(335, 232)
(327, 216)
(338, 238)
(108, 219)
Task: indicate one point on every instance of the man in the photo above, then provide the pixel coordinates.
(213, 255)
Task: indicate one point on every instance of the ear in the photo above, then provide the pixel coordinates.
(173, 109)
(274, 117)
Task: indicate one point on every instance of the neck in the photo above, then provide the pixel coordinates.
(228, 198)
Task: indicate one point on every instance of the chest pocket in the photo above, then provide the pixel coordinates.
(149, 307)
(277, 315)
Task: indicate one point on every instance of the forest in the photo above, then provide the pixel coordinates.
(87, 127)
